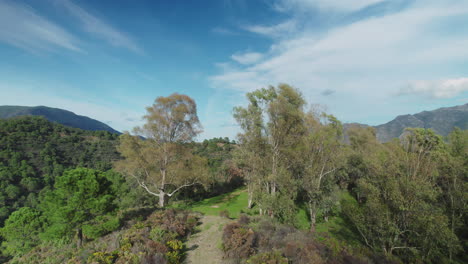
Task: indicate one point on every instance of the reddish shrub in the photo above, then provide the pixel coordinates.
(243, 219)
(238, 241)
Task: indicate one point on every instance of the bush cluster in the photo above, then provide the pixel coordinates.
(262, 240)
(157, 239)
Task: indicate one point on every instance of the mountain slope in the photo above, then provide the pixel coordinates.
(441, 120)
(60, 116)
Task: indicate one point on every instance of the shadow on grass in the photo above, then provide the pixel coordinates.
(141, 212)
(339, 227)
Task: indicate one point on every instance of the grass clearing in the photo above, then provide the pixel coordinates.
(234, 202)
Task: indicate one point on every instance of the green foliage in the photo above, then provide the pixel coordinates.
(103, 257)
(174, 256)
(79, 197)
(34, 151)
(268, 258)
(396, 208)
(157, 239)
(21, 231)
(272, 125)
(101, 225)
(233, 202)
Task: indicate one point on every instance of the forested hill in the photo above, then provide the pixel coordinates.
(33, 151)
(442, 121)
(60, 116)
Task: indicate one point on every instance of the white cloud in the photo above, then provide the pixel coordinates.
(101, 29)
(338, 5)
(279, 30)
(247, 57)
(438, 89)
(365, 62)
(22, 27)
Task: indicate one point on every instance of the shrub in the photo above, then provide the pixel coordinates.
(243, 219)
(269, 258)
(103, 257)
(238, 241)
(100, 226)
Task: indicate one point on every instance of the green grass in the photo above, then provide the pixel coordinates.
(234, 202)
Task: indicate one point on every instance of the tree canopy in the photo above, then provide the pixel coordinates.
(160, 162)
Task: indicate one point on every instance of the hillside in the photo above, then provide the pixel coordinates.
(33, 151)
(60, 116)
(441, 120)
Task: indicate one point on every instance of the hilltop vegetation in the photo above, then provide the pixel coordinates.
(57, 115)
(74, 196)
(34, 151)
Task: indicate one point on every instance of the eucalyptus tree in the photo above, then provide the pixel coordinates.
(322, 156)
(397, 211)
(453, 181)
(156, 155)
(272, 125)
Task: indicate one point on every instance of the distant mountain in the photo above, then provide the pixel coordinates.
(60, 116)
(441, 120)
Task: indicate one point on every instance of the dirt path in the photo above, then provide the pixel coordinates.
(204, 246)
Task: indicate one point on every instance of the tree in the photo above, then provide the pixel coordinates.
(156, 157)
(397, 211)
(321, 155)
(272, 125)
(454, 183)
(21, 231)
(79, 196)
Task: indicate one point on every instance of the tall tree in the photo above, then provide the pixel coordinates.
(272, 127)
(453, 181)
(79, 196)
(155, 155)
(322, 156)
(397, 210)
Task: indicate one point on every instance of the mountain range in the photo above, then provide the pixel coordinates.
(60, 116)
(441, 120)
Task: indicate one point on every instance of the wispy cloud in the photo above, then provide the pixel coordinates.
(335, 5)
(365, 61)
(437, 89)
(101, 29)
(274, 31)
(247, 57)
(22, 27)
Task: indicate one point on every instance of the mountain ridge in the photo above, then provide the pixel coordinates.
(441, 120)
(58, 115)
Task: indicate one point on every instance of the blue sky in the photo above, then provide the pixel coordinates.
(364, 61)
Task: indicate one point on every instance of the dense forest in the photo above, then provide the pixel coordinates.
(73, 196)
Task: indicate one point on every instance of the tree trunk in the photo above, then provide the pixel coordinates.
(250, 198)
(313, 216)
(162, 199)
(79, 236)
